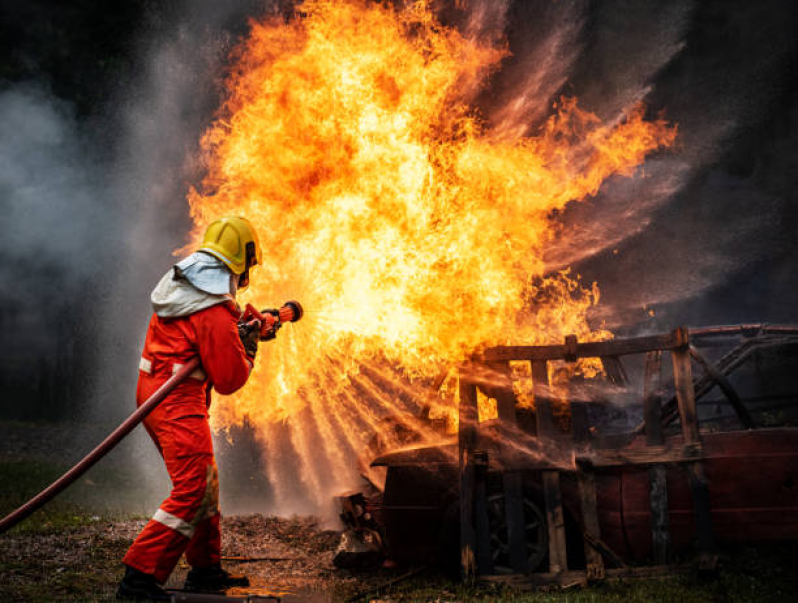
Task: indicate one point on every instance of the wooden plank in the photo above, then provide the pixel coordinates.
(552, 494)
(483, 551)
(685, 395)
(544, 417)
(512, 482)
(468, 415)
(726, 387)
(586, 482)
(592, 349)
(657, 479)
(651, 455)
(555, 520)
(699, 489)
(744, 329)
(601, 547)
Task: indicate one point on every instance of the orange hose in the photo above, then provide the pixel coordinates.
(101, 450)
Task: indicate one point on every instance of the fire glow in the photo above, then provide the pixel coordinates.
(411, 233)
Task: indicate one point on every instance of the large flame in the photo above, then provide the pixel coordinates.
(409, 232)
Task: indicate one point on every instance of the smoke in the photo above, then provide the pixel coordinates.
(45, 245)
(93, 209)
(58, 228)
(713, 211)
(160, 119)
(717, 210)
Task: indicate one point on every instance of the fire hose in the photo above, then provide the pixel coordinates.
(267, 322)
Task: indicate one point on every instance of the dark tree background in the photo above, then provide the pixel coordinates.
(699, 260)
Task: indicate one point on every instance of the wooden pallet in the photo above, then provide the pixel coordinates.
(476, 554)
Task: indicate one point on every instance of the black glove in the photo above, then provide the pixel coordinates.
(272, 333)
(249, 332)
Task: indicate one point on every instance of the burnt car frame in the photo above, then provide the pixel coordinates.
(524, 493)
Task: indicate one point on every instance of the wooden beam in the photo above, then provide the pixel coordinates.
(685, 395)
(483, 551)
(558, 560)
(726, 365)
(657, 479)
(468, 415)
(593, 349)
(601, 547)
(652, 398)
(650, 455)
(586, 482)
(552, 494)
(512, 481)
(544, 418)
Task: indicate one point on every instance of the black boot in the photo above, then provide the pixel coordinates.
(212, 579)
(138, 586)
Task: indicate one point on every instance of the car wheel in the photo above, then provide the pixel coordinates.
(535, 532)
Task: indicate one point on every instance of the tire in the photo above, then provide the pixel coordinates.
(536, 529)
(535, 532)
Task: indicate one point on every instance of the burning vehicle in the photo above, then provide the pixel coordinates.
(564, 483)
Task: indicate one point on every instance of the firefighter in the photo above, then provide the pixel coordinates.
(195, 314)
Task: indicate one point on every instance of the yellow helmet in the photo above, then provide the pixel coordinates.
(234, 241)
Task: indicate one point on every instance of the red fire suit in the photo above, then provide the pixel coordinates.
(187, 521)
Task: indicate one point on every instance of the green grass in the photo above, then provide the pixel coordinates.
(50, 556)
(90, 499)
(747, 574)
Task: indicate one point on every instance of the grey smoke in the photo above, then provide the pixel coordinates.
(92, 213)
(56, 227)
(91, 216)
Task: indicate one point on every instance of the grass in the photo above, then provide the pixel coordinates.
(59, 553)
(748, 574)
(79, 505)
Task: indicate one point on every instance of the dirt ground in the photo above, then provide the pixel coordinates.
(288, 557)
(71, 550)
(292, 558)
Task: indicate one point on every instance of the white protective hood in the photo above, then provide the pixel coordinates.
(178, 294)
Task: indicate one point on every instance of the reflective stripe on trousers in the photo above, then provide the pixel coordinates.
(208, 507)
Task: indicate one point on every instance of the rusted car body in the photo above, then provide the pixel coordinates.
(752, 488)
(751, 476)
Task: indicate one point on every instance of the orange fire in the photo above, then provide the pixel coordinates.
(409, 232)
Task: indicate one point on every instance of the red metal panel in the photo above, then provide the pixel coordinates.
(753, 477)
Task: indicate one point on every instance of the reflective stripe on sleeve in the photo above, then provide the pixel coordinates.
(145, 365)
(174, 522)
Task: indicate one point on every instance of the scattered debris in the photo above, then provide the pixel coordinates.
(359, 549)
